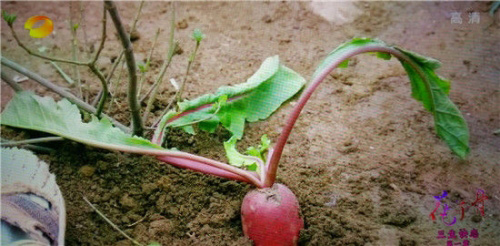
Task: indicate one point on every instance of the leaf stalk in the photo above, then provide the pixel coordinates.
(275, 155)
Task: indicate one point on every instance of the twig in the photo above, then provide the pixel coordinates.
(171, 51)
(136, 18)
(148, 61)
(108, 78)
(178, 95)
(119, 59)
(96, 71)
(35, 147)
(139, 221)
(84, 27)
(15, 86)
(103, 36)
(74, 44)
(31, 141)
(100, 107)
(110, 222)
(14, 34)
(115, 89)
(115, 65)
(129, 56)
(63, 74)
(155, 86)
(152, 88)
(72, 98)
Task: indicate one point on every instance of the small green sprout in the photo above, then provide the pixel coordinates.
(9, 18)
(143, 67)
(75, 26)
(198, 35)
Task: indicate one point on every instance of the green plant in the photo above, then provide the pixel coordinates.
(10, 19)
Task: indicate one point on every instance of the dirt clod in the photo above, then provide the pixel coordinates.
(87, 171)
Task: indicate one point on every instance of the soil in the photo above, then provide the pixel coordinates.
(363, 160)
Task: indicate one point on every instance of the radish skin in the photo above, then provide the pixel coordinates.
(271, 216)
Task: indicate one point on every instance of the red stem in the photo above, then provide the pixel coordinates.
(202, 167)
(209, 166)
(275, 157)
(186, 160)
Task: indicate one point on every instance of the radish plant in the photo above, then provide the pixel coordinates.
(270, 214)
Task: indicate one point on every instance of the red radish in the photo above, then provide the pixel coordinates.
(271, 216)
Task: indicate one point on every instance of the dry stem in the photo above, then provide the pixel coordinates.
(129, 56)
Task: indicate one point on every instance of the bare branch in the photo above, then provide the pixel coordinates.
(14, 34)
(129, 56)
(103, 35)
(119, 59)
(31, 141)
(171, 52)
(148, 61)
(74, 51)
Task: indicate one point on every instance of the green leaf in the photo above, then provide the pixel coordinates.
(448, 120)
(344, 64)
(342, 49)
(256, 99)
(189, 129)
(383, 55)
(10, 19)
(261, 149)
(141, 67)
(427, 87)
(29, 111)
(237, 159)
(209, 125)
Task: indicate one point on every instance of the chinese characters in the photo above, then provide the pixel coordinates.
(456, 18)
(463, 234)
(478, 203)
